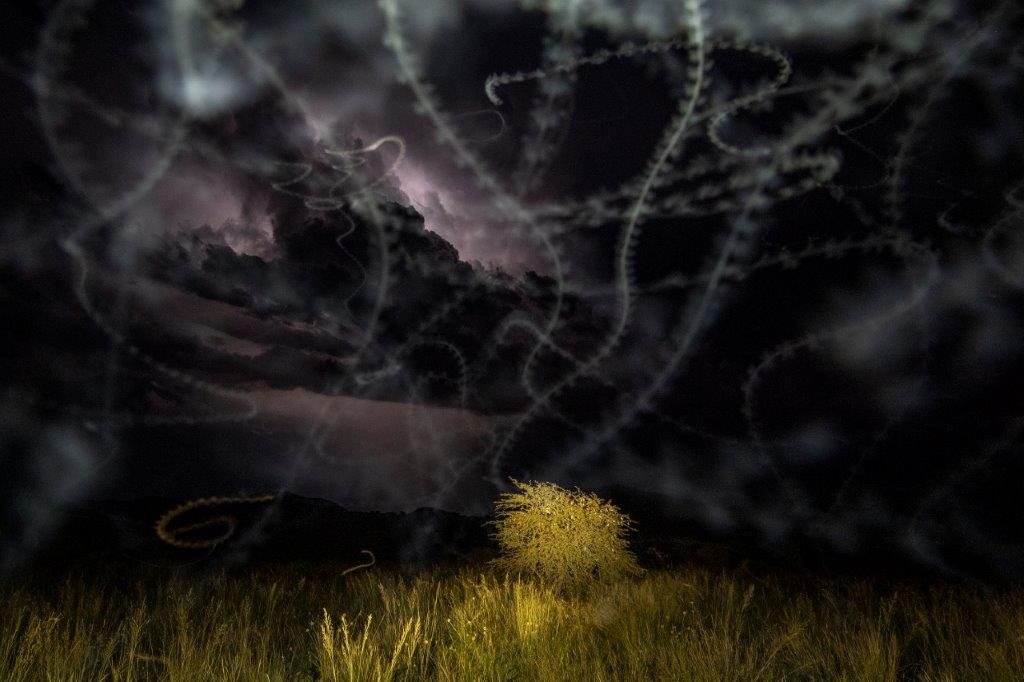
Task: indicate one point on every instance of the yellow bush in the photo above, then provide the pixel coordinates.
(567, 538)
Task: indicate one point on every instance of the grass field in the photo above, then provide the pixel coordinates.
(296, 623)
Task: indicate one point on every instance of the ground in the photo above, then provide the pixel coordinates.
(467, 622)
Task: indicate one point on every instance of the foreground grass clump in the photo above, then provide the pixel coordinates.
(294, 624)
(566, 538)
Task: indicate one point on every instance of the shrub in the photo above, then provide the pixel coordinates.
(566, 538)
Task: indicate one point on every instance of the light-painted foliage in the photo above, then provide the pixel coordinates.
(567, 538)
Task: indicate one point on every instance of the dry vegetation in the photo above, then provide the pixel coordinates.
(565, 538)
(300, 623)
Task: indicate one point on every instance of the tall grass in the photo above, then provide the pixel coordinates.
(289, 623)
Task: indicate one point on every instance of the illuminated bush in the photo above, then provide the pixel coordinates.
(567, 538)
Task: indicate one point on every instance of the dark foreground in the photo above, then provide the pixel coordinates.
(311, 622)
(274, 590)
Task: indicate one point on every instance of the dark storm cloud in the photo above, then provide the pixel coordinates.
(49, 467)
(787, 297)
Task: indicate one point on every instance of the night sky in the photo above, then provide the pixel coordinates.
(757, 266)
